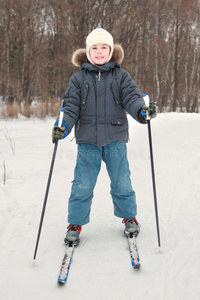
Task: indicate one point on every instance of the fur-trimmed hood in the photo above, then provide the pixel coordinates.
(79, 56)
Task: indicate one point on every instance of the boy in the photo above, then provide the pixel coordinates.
(96, 102)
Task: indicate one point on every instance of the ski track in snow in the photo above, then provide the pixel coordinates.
(101, 266)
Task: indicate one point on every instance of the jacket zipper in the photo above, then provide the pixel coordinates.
(99, 76)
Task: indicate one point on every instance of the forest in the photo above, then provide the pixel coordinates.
(160, 39)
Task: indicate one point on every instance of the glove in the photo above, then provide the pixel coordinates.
(59, 133)
(147, 111)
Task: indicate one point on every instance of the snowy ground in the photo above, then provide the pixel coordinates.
(101, 267)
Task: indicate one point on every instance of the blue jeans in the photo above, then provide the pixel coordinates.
(87, 168)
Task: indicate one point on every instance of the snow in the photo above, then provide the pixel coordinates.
(101, 266)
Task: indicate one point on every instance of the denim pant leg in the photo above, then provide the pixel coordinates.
(87, 168)
(123, 196)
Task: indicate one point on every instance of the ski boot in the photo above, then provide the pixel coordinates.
(132, 227)
(72, 235)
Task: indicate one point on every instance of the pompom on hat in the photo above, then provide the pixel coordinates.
(99, 36)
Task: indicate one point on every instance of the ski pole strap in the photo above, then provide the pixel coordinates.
(143, 113)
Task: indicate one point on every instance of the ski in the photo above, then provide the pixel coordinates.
(134, 254)
(67, 259)
(66, 263)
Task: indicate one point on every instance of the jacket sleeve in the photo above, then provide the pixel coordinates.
(71, 103)
(131, 96)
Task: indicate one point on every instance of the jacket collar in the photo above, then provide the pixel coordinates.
(103, 68)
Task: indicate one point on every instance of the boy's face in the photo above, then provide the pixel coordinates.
(99, 53)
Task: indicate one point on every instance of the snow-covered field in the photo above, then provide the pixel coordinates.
(101, 267)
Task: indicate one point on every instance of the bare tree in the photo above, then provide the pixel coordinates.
(160, 40)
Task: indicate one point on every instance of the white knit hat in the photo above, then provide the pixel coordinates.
(99, 36)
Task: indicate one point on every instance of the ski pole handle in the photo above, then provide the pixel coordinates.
(61, 115)
(147, 101)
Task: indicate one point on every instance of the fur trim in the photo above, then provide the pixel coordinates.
(80, 57)
(118, 54)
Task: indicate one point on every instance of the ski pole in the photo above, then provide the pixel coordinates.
(48, 184)
(146, 99)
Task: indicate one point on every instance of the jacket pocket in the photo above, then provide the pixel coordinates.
(116, 91)
(118, 128)
(85, 130)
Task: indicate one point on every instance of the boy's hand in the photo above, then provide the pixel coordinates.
(151, 109)
(58, 133)
(147, 111)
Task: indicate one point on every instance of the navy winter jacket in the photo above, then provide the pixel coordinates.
(98, 98)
